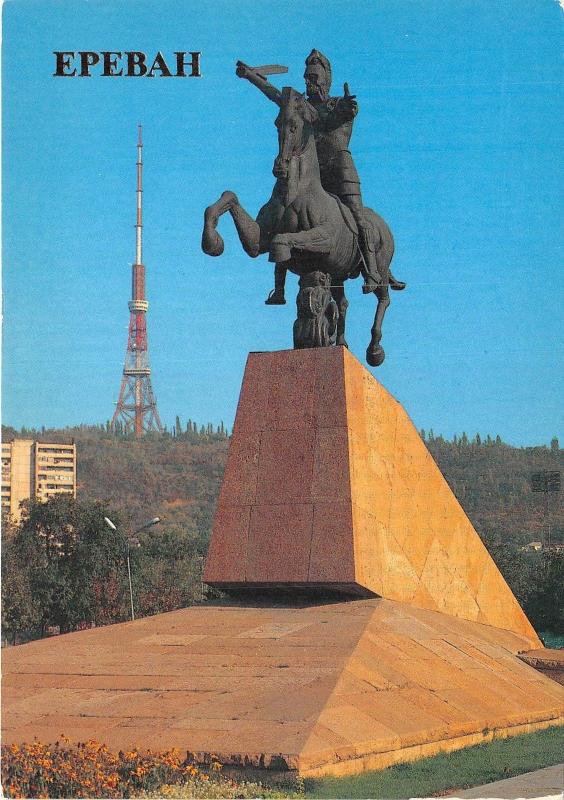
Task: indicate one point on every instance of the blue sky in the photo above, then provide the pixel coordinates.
(457, 144)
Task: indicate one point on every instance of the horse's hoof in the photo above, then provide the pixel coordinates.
(275, 298)
(375, 356)
(342, 342)
(212, 243)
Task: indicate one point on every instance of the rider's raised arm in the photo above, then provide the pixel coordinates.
(243, 71)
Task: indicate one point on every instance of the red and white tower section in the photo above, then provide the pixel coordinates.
(136, 408)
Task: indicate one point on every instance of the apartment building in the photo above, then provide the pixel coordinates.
(35, 469)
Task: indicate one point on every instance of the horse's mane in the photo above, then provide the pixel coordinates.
(307, 111)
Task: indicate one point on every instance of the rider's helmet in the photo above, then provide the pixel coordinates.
(317, 76)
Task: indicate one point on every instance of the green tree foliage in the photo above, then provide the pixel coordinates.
(166, 572)
(545, 601)
(64, 566)
(20, 609)
(58, 556)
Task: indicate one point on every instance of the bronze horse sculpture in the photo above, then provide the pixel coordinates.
(310, 232)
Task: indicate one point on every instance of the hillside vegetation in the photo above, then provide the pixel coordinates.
(177, 477)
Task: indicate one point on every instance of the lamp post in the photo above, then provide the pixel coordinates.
(546, 482)
(128, 541)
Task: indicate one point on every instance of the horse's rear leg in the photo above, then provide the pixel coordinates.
(338, 292)
(375, 352)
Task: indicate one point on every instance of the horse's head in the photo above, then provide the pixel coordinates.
(295, 127)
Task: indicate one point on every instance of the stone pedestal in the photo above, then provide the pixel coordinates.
(328, 487)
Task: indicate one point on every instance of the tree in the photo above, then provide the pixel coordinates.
(57, 556)
(554, 446)
(165, 571)
(516, 567)
(20, 610)
(545, 604)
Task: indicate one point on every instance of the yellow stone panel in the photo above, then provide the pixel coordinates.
(428, 552)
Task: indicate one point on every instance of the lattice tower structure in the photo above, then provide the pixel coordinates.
(136, 408)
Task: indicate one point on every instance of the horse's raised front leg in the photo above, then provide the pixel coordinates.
(338, 292)
(375, 352)
(247, 228)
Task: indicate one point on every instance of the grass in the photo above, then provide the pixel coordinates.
(473, 766)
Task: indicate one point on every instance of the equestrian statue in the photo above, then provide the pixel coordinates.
(315, 223)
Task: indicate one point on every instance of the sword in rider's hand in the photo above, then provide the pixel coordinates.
(260, 72)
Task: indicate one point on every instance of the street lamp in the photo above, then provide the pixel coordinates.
(546, 482)
(128, 541)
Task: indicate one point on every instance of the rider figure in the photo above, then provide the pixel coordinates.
(332, 132)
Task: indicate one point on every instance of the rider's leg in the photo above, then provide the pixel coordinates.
(276, 296)
(369, 269)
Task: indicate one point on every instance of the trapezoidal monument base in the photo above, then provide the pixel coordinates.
(329, 689)
(329, 488)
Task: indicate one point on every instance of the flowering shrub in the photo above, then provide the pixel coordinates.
(90, 769)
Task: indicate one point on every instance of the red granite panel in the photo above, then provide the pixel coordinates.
(279, 543)
(241, 473)
(330, 402)
(332, 550)
(291, 390)
(331, 477)
(253, 400)
(286, 466)
(227, 554)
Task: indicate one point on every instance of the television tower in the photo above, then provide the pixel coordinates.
(136, 408)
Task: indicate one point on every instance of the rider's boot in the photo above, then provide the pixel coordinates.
(276, 296)
(369, 266)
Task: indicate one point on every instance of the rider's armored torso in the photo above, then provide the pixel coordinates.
(333, 131)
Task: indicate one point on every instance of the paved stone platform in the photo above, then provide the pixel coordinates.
(334, 689)
(548, 661)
